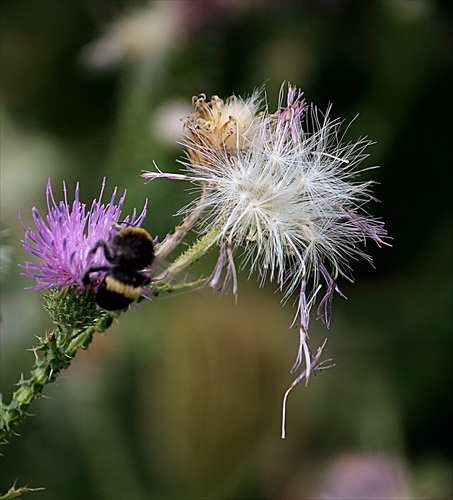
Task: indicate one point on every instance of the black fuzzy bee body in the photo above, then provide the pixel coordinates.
(129, 252)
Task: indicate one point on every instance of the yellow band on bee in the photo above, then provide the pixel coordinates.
(127, 291)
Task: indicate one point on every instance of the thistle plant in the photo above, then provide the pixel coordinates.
(277, 196)
(61, 242)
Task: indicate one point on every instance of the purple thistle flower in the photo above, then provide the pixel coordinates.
(62, 240)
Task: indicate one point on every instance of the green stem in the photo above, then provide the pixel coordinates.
(192, 254)
(55, 357)
(180, 287)
(14, 492)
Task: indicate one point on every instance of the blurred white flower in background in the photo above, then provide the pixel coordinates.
(148, 33)
(166, 124)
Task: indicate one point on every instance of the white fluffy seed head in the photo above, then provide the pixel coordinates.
(281, 193)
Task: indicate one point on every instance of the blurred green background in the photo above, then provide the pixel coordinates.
(182, 398)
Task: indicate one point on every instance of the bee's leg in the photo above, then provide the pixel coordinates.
(101, 244)
(93, 269)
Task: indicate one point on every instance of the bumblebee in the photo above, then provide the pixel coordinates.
(129, 251)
